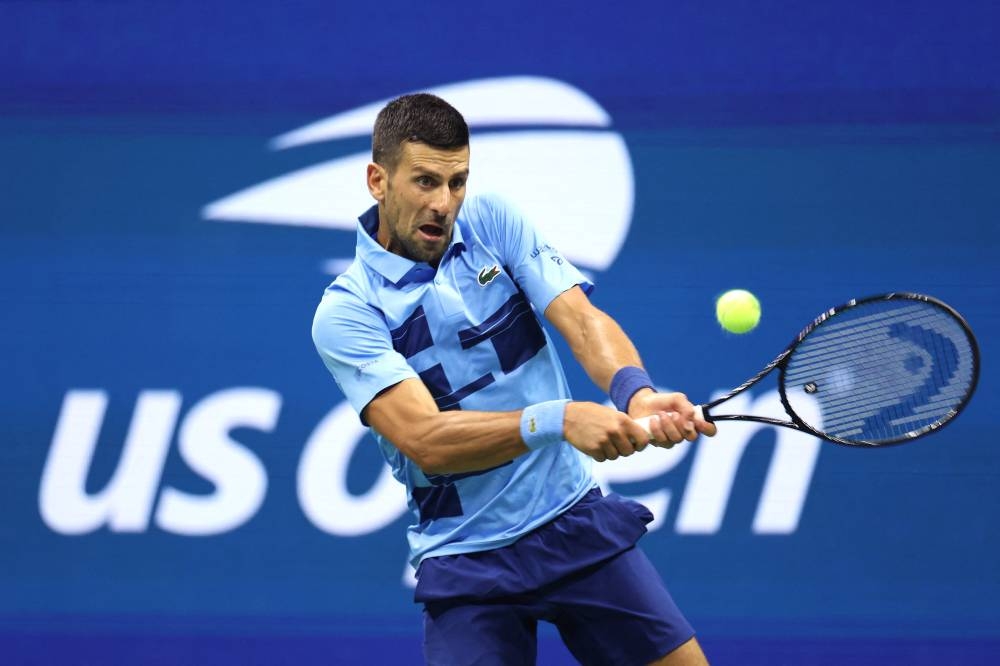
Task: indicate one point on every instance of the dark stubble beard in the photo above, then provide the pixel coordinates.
(412, 249)
(417, 252)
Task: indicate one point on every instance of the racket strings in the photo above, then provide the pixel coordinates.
(882, 371)
(858, 338)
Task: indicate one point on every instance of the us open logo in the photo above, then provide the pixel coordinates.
(542, 144)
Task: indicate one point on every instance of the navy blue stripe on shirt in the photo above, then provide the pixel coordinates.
(437, 502)
(451, 400)
(437, 383)
(515, 307)
(514, 331)
(441, 499)
(413, 335)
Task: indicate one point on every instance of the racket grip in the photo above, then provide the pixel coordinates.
(699, 413)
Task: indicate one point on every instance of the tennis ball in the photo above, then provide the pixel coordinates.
(738, 311)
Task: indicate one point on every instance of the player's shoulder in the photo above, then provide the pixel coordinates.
(486, 209)
(488, 216)
(352, 283)
(343, 315)
(348, 295)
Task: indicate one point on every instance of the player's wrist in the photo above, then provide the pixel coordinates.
(626, 384)
(542, 423)
(635, 403)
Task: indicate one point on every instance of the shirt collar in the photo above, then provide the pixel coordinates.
(398, 270)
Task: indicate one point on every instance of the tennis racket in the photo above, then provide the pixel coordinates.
(881, 370)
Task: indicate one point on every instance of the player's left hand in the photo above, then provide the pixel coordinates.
(677, 422)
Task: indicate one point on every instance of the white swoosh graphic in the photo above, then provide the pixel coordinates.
(511, 100)
(576, 186)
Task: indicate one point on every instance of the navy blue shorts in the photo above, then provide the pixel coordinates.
(582, 572)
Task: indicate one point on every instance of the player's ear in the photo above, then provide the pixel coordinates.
(378, 179)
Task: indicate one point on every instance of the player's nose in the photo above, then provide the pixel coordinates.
(443, 201)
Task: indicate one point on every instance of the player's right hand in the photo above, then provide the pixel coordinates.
(603, 433)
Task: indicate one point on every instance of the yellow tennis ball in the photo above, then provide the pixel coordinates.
(738, 311)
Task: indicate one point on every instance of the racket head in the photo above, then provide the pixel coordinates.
(879, 371)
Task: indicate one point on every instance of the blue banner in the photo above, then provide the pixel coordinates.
(183, 482)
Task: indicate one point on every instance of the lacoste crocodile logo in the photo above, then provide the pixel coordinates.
(488, 274)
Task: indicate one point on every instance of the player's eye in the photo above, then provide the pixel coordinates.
(424, 181)
(457, 183)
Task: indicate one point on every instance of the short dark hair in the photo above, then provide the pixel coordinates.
(421, 118)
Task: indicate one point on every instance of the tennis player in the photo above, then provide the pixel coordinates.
(433, 334)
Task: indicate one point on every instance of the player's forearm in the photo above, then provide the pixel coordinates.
(464, 441)
(603, 348)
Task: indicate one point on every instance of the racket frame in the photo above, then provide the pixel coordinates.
(781, 363)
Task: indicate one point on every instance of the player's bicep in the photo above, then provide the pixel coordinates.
(398, 411)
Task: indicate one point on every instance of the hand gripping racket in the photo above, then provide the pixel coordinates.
(881, 370)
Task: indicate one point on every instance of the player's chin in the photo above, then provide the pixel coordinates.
(428, 250)
(433, 255)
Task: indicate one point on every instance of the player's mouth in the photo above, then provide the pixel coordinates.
(432, 232)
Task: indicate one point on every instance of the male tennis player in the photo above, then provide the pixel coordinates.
(433, 335)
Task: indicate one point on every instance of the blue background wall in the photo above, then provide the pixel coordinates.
(810, 152)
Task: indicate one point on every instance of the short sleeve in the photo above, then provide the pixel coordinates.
(354, 343)
(537, 267)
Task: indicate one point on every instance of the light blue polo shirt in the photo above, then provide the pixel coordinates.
(471, 331)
